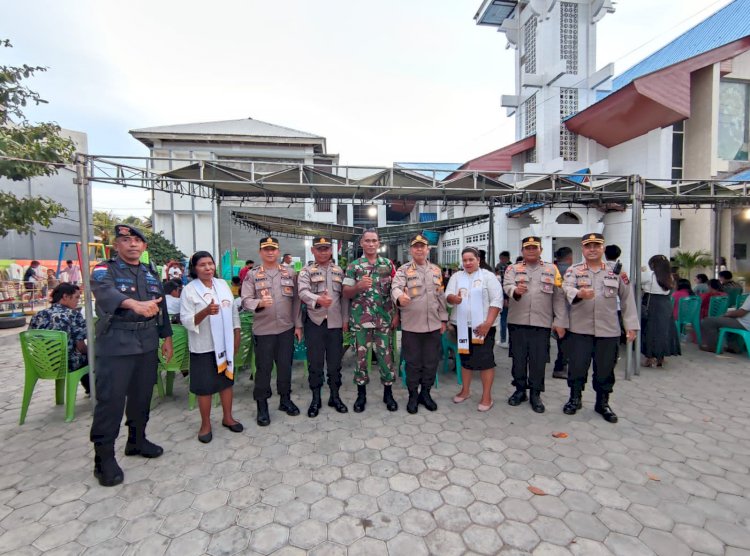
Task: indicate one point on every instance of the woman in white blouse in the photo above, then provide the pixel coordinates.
(477, 299)
(208, 313)
(658, 332)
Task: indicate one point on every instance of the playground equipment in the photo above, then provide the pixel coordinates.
(97, 252)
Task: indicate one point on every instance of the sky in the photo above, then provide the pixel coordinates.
(387, 81)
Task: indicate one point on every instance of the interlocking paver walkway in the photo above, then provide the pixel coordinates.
(670, 478)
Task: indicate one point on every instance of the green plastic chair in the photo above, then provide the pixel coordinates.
(447, 346)
(180, 360)
(742, 333)
(246, 353)
(45, 356)
(733, 294)
(689, 312)
(718, 305)
(741, 299)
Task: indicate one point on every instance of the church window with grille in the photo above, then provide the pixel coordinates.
(529, 45)
(529, 116)
(569, 35)
(568, 139)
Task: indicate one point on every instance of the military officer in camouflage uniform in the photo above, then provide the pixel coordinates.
(269, 290)
(368, 285)
(419, 294)
(592, 289)
(536, 304)
(132, 317)
(320, 286)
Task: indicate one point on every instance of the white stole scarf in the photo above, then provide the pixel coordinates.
(470, 288)
(222, 329)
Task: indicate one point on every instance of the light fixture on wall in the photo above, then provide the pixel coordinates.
(372, 212)
(746, 214)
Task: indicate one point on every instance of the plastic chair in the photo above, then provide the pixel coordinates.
(180, 360)
(447, 346)
(689, 312)
(742, 333)
(718, 305)
(300, 352)
(246, 353)
(733, 294)
(741, 299)
(45, 356)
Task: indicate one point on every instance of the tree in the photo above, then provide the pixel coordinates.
(104, 224)
(160, 249)
(29, 150)
(689, 260)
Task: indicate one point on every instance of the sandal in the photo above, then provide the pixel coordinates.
(460, 399)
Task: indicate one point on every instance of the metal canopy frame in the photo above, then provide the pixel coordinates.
(299, 182)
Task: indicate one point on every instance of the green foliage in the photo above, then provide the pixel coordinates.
(22, 142)
(690, 260)
(104, 224)
(160, 249)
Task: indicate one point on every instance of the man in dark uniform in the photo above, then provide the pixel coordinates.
(320, 286)
(132, 317)
(563, 261)
(593, 289)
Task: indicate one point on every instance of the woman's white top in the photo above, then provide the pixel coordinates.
(492, 292)
(199, 337)
(650, 285)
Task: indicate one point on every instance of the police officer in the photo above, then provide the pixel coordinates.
(592, 289)
(269, 290)
(320, 285)
(132, 317)
(535, 305)
(372, 319)
(418, 292)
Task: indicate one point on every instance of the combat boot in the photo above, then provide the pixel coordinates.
(139, 445)
(535, 399)
(426, 400)
(335, 401)
(361, 401)
(390, 403)
(413, 404)
(574, 403)
(603, 409)
(263, 419)
(287, 405)
(517, 397)
(315, 404)
(560, 372)
(106, 469)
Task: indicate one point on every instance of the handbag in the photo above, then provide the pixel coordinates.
(644, 308)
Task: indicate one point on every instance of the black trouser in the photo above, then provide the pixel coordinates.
(270, 349)
(529, 348)
(561, 361)
(582, 349)
(118, 378)
(421, 352)
(324, 345)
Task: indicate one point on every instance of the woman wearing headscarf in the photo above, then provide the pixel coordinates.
(658, 332)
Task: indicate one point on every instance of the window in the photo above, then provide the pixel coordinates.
(477, 238)
(740, 251)
(450, 242)
(322, 205)
(734, 120)
(450, 256)
(529, 116)
(569, 35)
(568, 218)
(678, 147)
(674, 232)
(568, 139)
(529, 45)
(450, 212)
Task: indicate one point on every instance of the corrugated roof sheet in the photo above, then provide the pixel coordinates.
(246, 127)
(729, 24)
(744, 175)
(441, 169)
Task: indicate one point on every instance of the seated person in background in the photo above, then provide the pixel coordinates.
(173, 289)
(174, 271)
(714, 289)
(236, 285)
(683, 290)
(63, 315)
(727, 281)
(734, 318)
(701, 284)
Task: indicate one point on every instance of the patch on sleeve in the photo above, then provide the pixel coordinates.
(625, 279)
(99, 272)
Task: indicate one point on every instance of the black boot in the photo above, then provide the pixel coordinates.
(535, 399)
(390, 403)
(361, 401)
(139, 445)
(426, 400)
(574, 403)
(413, 404)
(286, 404)
(106, 469)
(517, 397)
(602, 407)
(263, 419)
(560, 372)
(335, 401)
(315, 404)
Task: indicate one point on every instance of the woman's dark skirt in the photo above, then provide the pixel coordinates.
(658, 331)
(205, 379)
(481, 356)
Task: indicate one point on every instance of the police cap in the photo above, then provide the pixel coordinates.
(419, 238)
(269, 241)
(125, 230)
(321, 242)
(531, 240)
(592, 238)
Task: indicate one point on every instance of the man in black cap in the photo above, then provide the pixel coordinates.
(593, 289)
(132, 317)
(320, 289)
(269, 290)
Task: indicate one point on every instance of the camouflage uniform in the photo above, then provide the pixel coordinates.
(370, 316)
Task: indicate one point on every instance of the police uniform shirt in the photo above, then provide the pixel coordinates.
(543, 304)
(280, 284)
(424, 285)
(313, 280)
(598, 316)
(114, 281)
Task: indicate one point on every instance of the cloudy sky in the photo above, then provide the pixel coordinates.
(393, 80)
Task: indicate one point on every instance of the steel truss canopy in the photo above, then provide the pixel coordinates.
(239, 180)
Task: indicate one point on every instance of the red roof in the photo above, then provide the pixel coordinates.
(491, 164)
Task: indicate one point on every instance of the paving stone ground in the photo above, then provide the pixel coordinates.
(671, 478)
